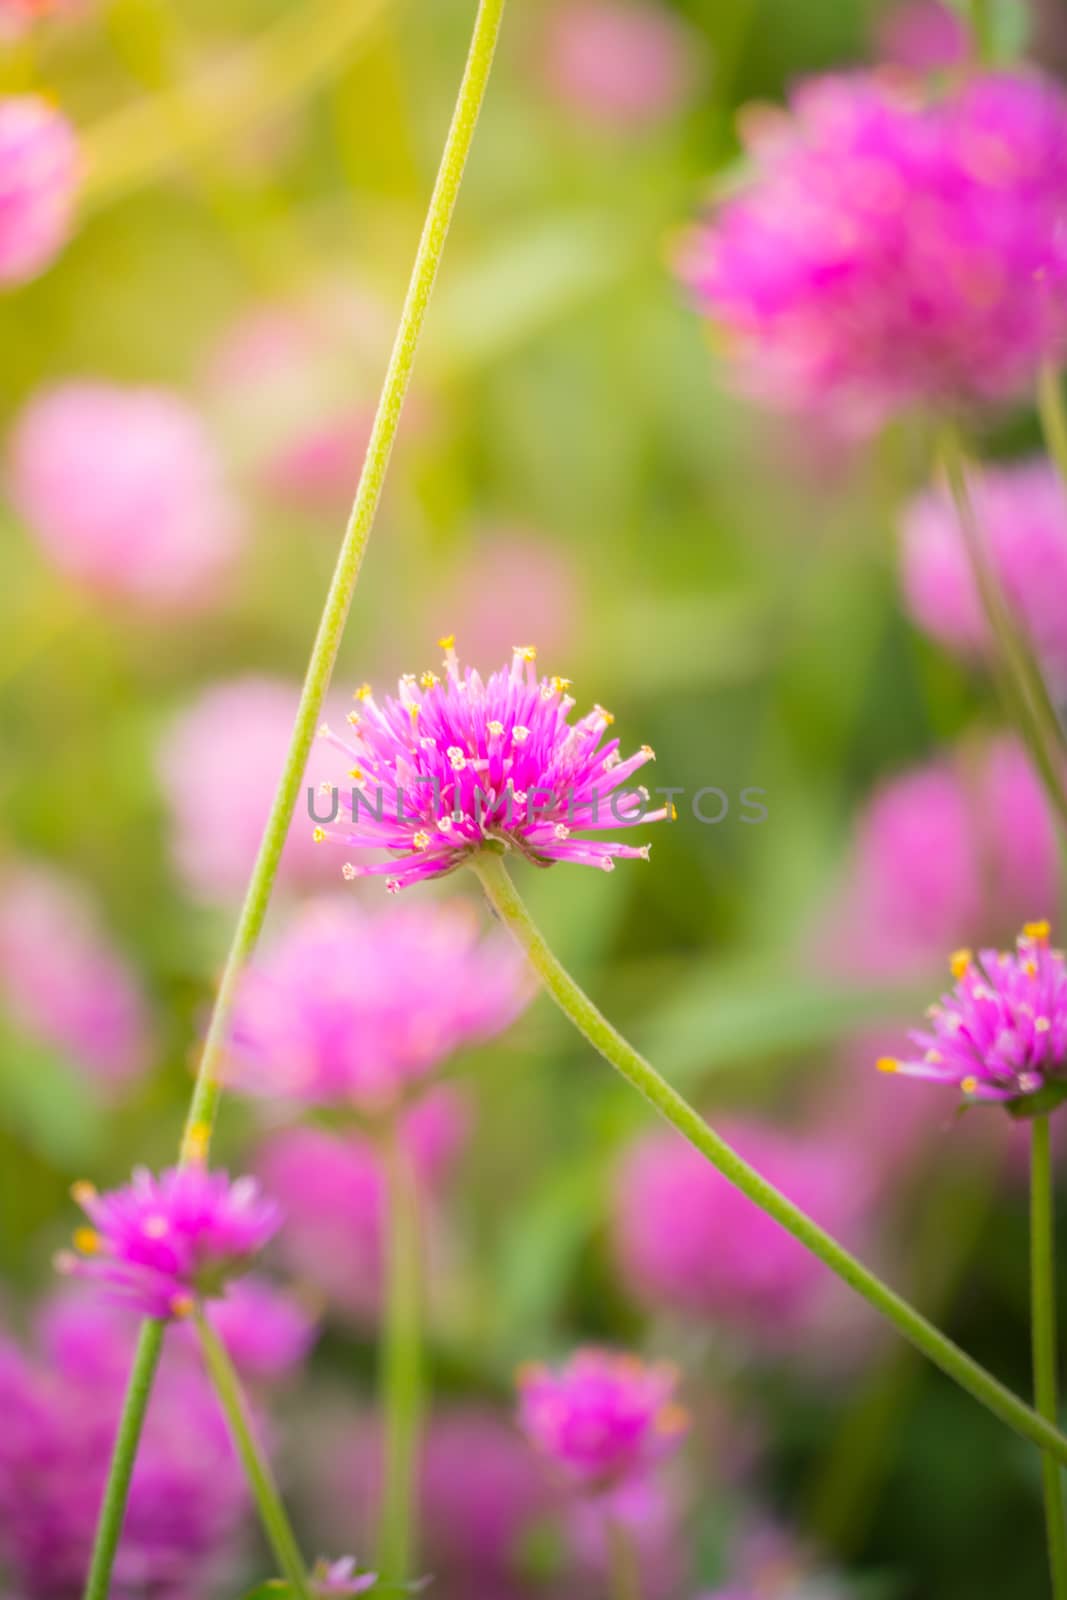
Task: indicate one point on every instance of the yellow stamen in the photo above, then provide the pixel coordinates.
(887, 1064)
(969, 1085)
(319, 835)
(1037, 932)
(428, 680)
(421, 839)
(83, 1192)
(525, 652)
(86, 1241)
(959, 963)
(182, 1305)
(448, 642)
(356, 773)
(196, 1142)
(364, 692)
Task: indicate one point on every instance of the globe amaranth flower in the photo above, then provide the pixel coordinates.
(125, 494)
(164, 1243)
(363, 1007)
(1001, 1033)
(894, 247)
(452, 765)
(63, 983)
(1022, 512)
(603, 1418)
(40, 169)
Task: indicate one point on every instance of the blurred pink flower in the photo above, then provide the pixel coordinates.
(332, 1189)
(40, 169)
(603, 1418)
(219, 764)
(959, 850)
(361, 1007)
(688, 1241)
(124, 492)
(1022, 512)
(62, 981)
(18, 16)
(536, 595)
(922, 36)
(650, 1515)
(620, 64)
(267, 1333)
(894, 249)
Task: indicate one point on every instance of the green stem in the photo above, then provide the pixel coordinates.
(200, 1121)
(131, 1423)
(581, 1011)
(1019, 679)
(1043, 1329)
(1053, 417)
(257, 1469)
(982, 31)
(401, 1364)
(331, 627)
(623, 1564)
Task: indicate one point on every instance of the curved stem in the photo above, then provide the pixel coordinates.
(623, 1564)
(401, 1364)
(257, 1469)
(581, 1011)
(131, 1424)
(200, 1121)
(1053, 417)
(1043, 1331)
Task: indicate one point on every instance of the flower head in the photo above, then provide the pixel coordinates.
(452, 765)
(618, 63)
(363, 1007)
(1001, 1032)
(340, 1578)
(40, 169)
(602, 1418)
(165, 1242)
(1022, 510)
(923, 36)
(895, 248)
(125, 494)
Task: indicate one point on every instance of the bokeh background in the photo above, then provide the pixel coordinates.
(573, 471)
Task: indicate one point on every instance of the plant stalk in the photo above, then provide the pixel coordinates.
(1043, 1332)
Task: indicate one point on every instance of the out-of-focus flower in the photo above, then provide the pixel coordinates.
(1022, 513)
(359, 1007)
(61, 980)
(187, 1500)
(267, 1333)
(648, 1512)
(164, 1243)
(768, 1563)
(451, 766)
(895, 248)
(18, 16)
(620, 64)
(941, 851)
(922, 36)
(124, 492)
(603, 1418)
(688, 1240)
(219, 764)
(1001, 1033)
(40, 169)
(341, 1578)
(332, 1188)
(535, 589)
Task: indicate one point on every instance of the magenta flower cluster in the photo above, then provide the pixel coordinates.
(895, 247)
(1001, 1033)
(451, 765)
(163, 1243)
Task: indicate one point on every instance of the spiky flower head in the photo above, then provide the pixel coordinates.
(1001, 1033)
(164, 1243)
(453, 765)
(603, 1417)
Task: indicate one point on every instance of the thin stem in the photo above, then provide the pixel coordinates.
(131, 1425)
(982, 31)
(576, 1005)
(1019, 679)
(1053, 417)
(328, 639)
(624, 1566)
(1043, 1330)
(401, 1375)
(257, 1469)
(200, 1121)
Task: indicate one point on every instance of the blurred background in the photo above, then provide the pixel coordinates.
(572, 471)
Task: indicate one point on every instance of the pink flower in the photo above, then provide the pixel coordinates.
(360, 1007)
(267, 1333)
(536, 595)
(923, 36)
(341, 1578)
(621, 64)
(1022, 513)
(61, 980)
(125, 495)
(688, 1240)
(894, 248)
(18, 16)
(163, 1243)
(332, 1189)
(1001, 1032)
(452, 766)
(603, 1418)
(219, 763)
(40, 169)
